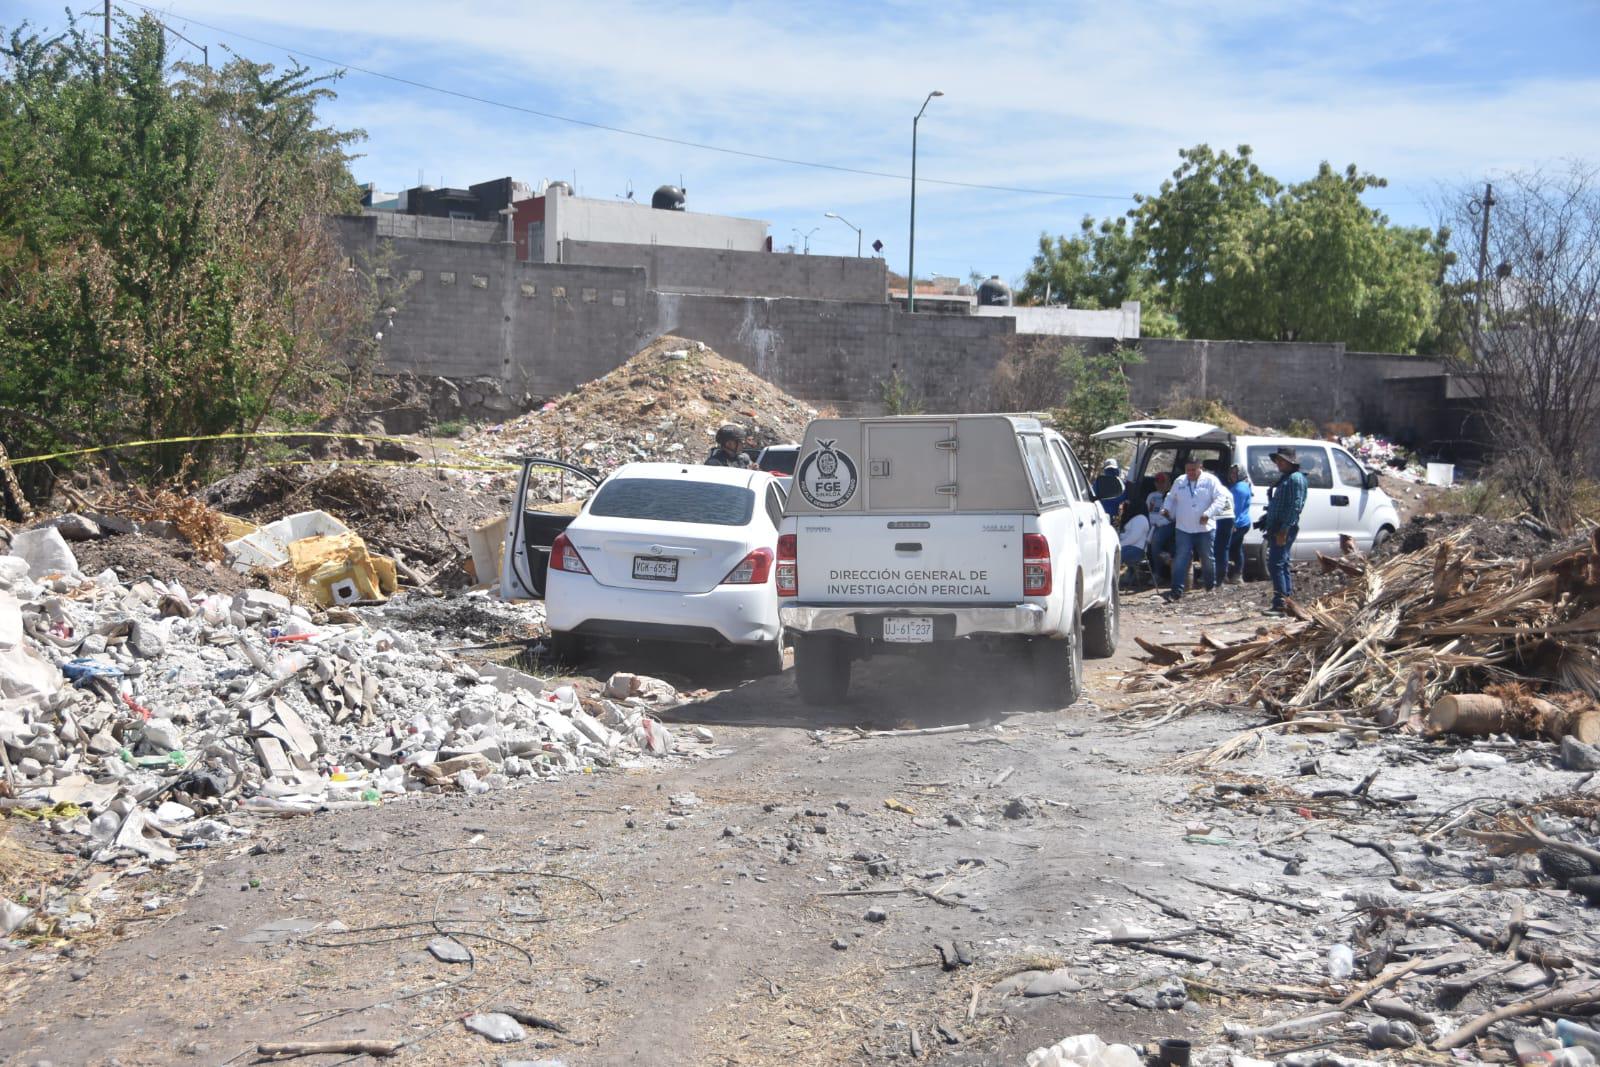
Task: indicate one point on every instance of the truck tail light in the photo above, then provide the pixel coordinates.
(1036, 578)
(563, 557)
(788, 569)
(754, 569)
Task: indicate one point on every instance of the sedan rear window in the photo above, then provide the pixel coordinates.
(671, 500)
(779, 460)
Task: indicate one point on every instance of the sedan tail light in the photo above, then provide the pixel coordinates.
(754, 569)
(563, 557)
(1036, 578)
(788, 571)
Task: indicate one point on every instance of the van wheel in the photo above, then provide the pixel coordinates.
(565, 647)
(1058, 668)
(1383, 535)
(1102, 626)
(767, 660)
(821, 668)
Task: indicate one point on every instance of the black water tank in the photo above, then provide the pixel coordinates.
(668, 198)
(994, 293)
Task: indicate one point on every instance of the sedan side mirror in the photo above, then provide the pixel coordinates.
(1371, 480)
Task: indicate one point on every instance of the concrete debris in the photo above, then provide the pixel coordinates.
(73, 527)
(46, 553)
(188, 711)
(449, 950)
(497, 1027)
(1084, 1050)
(1052, 983)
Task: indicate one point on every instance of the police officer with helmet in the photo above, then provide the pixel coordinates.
(729, 451)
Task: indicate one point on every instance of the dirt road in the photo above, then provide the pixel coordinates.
(779, 904)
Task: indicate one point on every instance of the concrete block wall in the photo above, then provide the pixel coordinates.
(721, 272)
(840, 355)
(471, 310)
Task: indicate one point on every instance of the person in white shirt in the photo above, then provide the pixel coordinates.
(1194, 504)
(1134, 533)
(1160, 544)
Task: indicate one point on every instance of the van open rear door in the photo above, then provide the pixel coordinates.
(1177, 431)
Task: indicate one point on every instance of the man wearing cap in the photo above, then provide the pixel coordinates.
(1281, 524)
(1110, 489)
(728, 453)
(1194, 505)
(1161, 530)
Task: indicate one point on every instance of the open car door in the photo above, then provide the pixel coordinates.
(531, 532)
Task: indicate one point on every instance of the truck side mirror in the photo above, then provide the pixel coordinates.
(1371, 480)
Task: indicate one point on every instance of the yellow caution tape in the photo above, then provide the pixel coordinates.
(18, 461)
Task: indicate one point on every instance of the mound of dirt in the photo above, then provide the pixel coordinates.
(133, 557)
(1488, 538)
(419, 511)
(663, 404)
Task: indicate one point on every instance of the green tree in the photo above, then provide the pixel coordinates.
(1097, 397)
(1331, 268)
(1203, 232)
(1234, 253)
(1101, 266)
(165, 269)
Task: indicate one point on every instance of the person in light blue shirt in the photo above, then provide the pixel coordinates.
(1194, 505)
(1230, 550)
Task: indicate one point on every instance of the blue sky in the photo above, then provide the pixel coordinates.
(1085, 98)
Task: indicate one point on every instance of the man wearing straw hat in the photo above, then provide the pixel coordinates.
(1281, 524)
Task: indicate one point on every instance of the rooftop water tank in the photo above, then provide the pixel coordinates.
(564, 187)
(994, 293)
(668, 198)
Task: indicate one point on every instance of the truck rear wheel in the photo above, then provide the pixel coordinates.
(1057, 668)
(1102, 626)
(821, 668)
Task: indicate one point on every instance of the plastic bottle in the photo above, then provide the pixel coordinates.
(1573, 1056)
(1341, 962)
(1576, 1034)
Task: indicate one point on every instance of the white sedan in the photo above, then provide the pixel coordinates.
(671, 552)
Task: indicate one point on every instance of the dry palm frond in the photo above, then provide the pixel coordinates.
(1403, 631)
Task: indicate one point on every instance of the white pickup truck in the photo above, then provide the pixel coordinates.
(908, 532)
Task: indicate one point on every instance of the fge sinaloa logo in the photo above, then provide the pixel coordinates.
(827, 477)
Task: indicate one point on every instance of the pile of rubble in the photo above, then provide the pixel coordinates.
(664, 404)
(142, 718)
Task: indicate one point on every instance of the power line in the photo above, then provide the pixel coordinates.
(660, 138)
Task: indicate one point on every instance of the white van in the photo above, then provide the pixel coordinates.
(1342, 496)
(909, 532)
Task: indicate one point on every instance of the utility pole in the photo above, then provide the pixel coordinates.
(1484, 205)
(911, 249)
(106, 40)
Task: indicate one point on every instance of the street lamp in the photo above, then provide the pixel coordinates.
(847, 222)
(805, 238)
(911, 253)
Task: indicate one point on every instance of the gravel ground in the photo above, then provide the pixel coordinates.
(717, 913)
